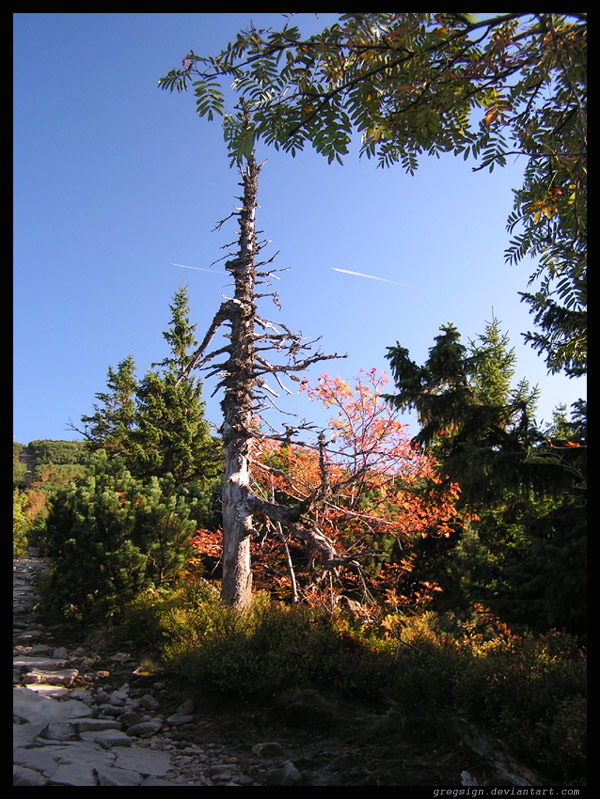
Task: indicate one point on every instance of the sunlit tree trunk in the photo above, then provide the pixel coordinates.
(238, 405)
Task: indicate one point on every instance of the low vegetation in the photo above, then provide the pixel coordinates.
(530, 691)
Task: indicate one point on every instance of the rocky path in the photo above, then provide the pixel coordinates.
(93, 719)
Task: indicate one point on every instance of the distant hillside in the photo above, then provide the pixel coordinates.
(48, 461)
(58, 452)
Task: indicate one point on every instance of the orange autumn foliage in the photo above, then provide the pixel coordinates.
(375, 505)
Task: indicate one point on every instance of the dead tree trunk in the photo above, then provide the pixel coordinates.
(238, 405)
(244, 375)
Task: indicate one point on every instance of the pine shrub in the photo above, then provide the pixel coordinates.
(111, 537)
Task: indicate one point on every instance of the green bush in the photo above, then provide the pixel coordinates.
(20, 540)
(111, 537)
(531, 691)
(268, 650)
(59, 452)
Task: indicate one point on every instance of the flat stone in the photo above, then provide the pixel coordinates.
(81, 693)
(149, 702)
(25, 734)
(290, 775)
(35, 650)
(144, 728)
(31, 634)
(243, 779)
(268, 750)
(221, 768)
(93, 725)
(224, 778)
(178, 721)
(30, 706)
(146, 761)
(64, 677)
(59, 731)
(107, 738)
(186, 708)
(30, 662)
(81, 756)
(109, 775)
(121, 657)
(73, 774)
(27, 776)
(129, 718)
(52, 691)
(112, 710)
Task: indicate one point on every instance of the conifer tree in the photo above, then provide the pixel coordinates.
(157, 426)
(522, 552)
(173, 435)
(113, 535)
(479, 427)
(128, 524)
(115, 414)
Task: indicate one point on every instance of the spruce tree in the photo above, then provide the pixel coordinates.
(157, 426)
(479, 428)
(523, 552)
(115, 414)
(173, 436)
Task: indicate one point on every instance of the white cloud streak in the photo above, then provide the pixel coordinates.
(335, 269)
(199, 269)
(372, 277)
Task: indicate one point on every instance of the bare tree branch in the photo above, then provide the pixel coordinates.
(242, 376)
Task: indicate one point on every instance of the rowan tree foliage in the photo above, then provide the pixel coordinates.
(412, 84)
(373, 502)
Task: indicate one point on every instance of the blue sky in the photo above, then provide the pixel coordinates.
(115, 180)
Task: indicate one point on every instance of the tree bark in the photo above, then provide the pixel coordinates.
(238, 404)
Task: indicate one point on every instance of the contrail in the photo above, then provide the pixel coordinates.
(199, 269)
(372, 277)
(345, 271)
